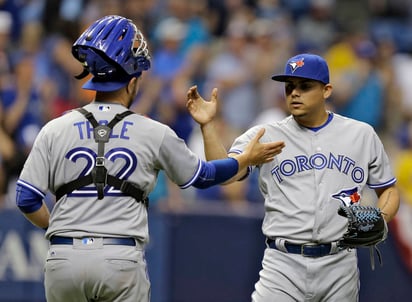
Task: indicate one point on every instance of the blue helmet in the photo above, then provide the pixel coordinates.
(113, 50)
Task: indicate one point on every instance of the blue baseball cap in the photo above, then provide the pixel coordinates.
(307, 66)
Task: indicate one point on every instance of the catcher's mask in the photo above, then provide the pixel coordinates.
(114, 51)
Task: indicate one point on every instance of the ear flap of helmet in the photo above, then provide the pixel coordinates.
(102, 68)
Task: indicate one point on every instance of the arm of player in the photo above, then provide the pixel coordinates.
(257, 153)
(32, 206)
(388, 201)
(204, 112)
(39, 218)
(226, 170)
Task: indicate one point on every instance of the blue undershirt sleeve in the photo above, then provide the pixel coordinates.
(216, 172)
(27, 200)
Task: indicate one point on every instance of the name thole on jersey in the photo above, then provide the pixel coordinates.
(318, 161)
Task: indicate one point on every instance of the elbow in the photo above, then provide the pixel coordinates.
(389, 202)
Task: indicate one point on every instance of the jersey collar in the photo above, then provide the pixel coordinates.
(315, 129)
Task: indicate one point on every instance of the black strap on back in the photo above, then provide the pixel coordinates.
(99, 175)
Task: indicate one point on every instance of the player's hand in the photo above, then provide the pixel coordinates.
(259, 153)
(201, 111)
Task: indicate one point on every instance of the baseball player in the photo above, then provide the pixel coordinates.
(326, 163)
(102, 161)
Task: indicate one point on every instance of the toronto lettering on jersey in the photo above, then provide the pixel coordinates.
(86, 129)
(318, 161)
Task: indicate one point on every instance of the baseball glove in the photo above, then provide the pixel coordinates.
(366, 226)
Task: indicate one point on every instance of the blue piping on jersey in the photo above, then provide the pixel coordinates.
(213, 173)
(193, 179)
(31, 187)
(315, 129)
(27, 200)
(386, 184)
(216, 172)
(236, 151)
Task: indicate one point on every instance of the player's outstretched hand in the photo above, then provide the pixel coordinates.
(201, 111)
(259, 153)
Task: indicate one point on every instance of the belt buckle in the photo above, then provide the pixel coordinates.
(307, 244)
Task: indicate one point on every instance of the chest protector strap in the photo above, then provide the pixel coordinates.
(99, 175)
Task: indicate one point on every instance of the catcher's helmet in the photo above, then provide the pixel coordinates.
(113, 50)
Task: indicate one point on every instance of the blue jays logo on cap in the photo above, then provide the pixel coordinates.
(296, 64)
(307, 66)
(348, 197)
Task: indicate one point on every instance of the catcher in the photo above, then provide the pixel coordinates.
(102, 161)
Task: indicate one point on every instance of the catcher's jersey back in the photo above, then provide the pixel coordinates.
(138, 148)
(317, 172)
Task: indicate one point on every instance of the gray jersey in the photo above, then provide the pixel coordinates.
(315, 173)
(138, 148)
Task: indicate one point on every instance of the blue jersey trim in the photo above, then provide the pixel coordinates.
(216, 172)
(28, 200)
(193, 179)
(236, 151)
(249, 170)
(383, 185)
(31, 187)
(315, 129)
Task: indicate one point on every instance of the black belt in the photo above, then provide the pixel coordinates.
(88, 240)
(306, 249)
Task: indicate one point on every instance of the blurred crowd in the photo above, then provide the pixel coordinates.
(234, 45)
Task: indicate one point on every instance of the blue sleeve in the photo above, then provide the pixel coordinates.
(27, 200)
(215, 172)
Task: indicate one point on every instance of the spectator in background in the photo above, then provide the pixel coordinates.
(159, 99)
(271, 45)
(56, 70)
(22, 115)
(7, 150)
(7, 145)
(402, 222)
(271, 10)
(360, 90)
(22, 106)
(6, 23)
(402, 64)
(385, 65)
(10, 13)
(61, 17)
(352, 15)
(230, 69)
(403, 167)
(143, 12)
(315, 31)
(180, 45)
(193, 14)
